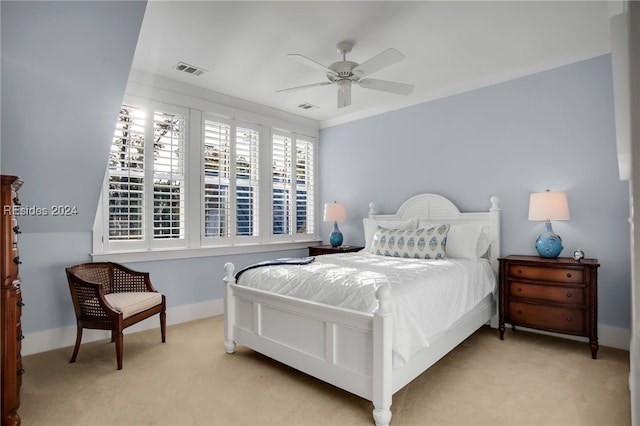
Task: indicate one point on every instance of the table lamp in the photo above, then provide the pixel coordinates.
(337, 213)
(547, 206)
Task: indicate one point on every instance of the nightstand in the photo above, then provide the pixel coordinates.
(558, 295)
(327, 249)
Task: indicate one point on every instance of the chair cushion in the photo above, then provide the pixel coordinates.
(132, 303)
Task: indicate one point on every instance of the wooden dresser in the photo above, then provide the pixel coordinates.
(11, 304)
(558, 295)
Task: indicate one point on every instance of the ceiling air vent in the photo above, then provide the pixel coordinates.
(189, 69)
(306, 105)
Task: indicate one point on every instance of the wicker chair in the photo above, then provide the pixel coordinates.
(109, 296)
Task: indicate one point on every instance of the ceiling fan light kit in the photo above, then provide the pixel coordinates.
(344, 73)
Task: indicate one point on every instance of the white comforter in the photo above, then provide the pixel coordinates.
(427, 296)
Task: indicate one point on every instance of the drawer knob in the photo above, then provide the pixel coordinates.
(519, 312)
(519, 271)
(519, 289)
(21, 336)
(20, 303)
(21, 371)
(568, 274)
(17, 230)
(16, 201)
(17, 260)
(569, 294)
(568, 319)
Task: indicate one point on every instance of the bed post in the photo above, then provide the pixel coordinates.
(494, 219)
(229, 314)
(372, 210)
(494, 254)
(382, 358)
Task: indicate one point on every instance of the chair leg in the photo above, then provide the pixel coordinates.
(163, 325)
(118, 336)
(77, 347)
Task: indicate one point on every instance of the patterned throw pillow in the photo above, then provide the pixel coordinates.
(429, 243)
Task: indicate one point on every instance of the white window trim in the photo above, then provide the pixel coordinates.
(295, 138)
(174, 95)
(148, 243)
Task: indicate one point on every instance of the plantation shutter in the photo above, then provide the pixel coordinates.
(168, 176)
(305, 200)
(217, 166)
(126, 177)
(281, 189)
(247, 181)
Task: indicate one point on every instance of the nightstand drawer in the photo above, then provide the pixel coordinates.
(550, 318)
(563, 275)
(572, 295)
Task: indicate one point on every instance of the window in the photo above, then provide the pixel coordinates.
(126, 177)
(292, 185)
(139, 171)
(231, 181)
(187, 179)
(168, 176)
(217, 177)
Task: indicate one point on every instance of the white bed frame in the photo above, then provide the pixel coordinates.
(349, 349)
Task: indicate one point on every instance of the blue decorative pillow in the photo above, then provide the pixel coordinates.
(429, 243)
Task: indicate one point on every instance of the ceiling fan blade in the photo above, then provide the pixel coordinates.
(386, 86)
(344, 93)
(381, 60)
(311, 63)
(324, 83)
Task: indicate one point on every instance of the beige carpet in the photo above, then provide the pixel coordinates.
(527, 379)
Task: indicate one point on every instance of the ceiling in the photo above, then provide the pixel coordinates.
(449, 46)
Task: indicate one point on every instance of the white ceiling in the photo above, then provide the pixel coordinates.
(449, 46)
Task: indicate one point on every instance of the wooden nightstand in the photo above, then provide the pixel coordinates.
(327, 249)
(558, 295)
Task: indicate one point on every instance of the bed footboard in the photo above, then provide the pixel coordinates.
(349, 349)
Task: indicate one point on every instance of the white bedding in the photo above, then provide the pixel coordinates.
(427, 296)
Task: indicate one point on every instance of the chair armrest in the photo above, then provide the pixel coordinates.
(128, 280)
(89, 302)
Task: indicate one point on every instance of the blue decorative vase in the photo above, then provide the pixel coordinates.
(549, 244)
(335, 238)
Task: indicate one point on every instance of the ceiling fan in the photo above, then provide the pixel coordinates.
(344, 73)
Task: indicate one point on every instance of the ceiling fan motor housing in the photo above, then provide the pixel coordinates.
(342, 69)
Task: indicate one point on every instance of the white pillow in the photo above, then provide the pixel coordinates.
(483, 242)
(370, 227)
(467, 241)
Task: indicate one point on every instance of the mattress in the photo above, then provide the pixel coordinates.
(427, 296)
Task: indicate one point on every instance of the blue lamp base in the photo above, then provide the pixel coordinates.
(335, 238)
(548, 244)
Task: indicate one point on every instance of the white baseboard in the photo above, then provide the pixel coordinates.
(609, 336)
(63, 337)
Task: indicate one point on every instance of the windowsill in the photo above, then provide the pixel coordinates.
(185, 253)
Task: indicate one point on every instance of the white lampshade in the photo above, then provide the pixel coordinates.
(548, 206)
(334, 212)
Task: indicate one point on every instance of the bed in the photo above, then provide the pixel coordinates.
(363, 349)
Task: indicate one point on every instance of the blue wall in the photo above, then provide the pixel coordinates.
(551, 130)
